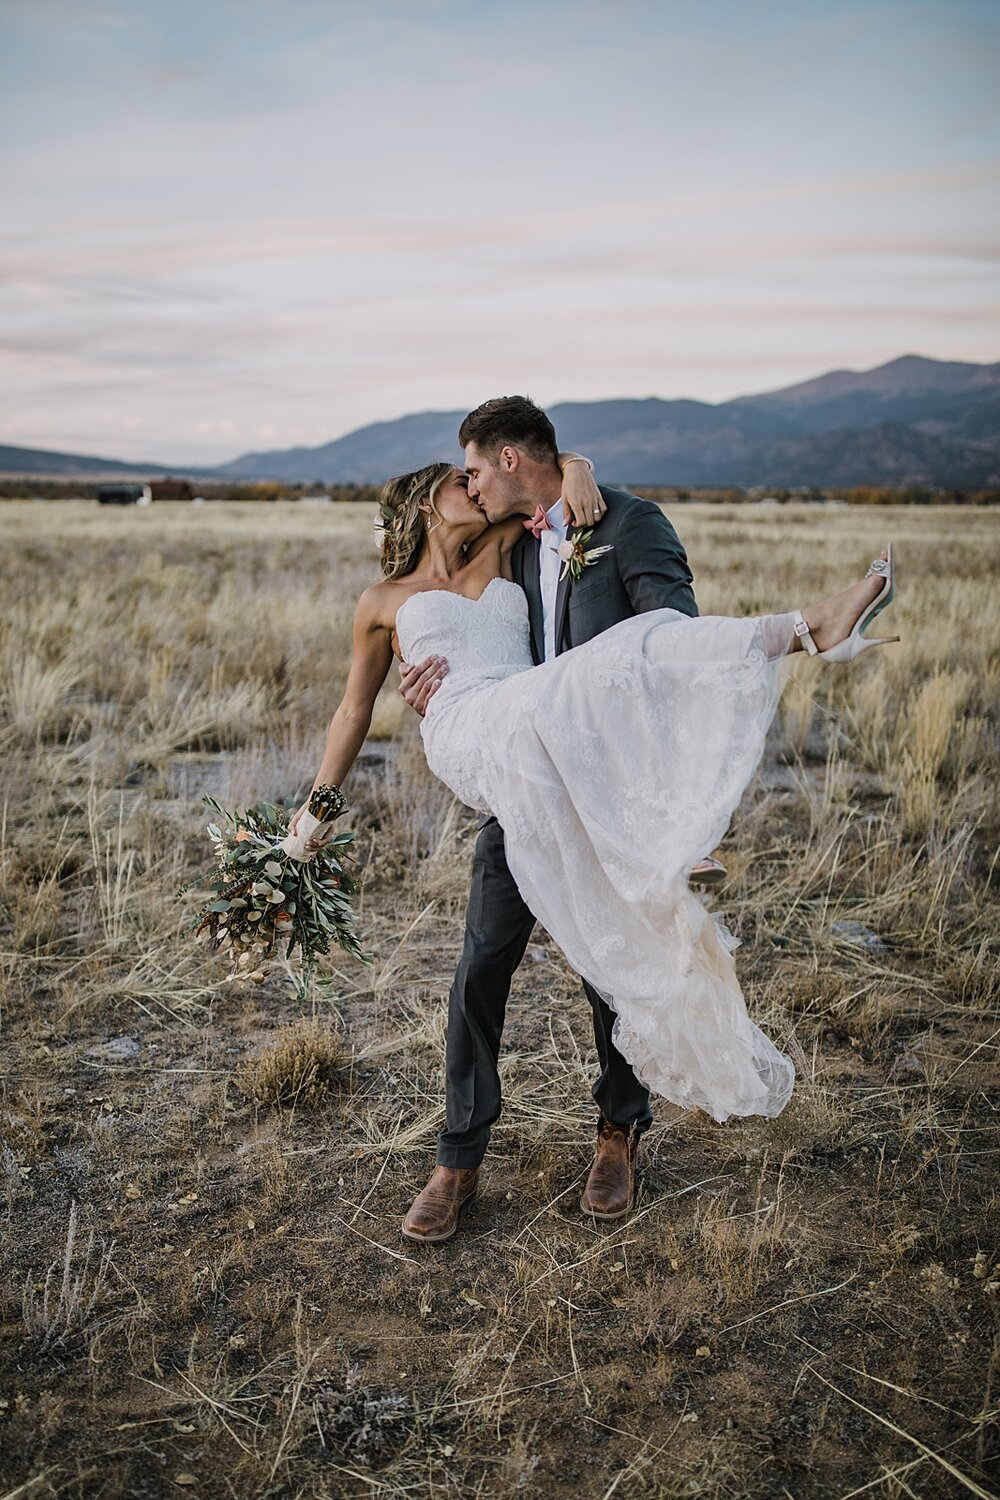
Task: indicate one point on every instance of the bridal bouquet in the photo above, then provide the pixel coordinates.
(265, 902)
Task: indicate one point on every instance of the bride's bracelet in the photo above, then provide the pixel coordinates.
(579, 459)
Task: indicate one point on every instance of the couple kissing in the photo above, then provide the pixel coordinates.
(547, 631)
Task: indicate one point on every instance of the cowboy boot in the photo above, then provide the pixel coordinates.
(433, 1214)
(608, 1194)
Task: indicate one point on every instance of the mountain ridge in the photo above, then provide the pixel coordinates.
(913, 420)
(928, 422)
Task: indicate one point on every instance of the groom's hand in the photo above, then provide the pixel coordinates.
(420, 683)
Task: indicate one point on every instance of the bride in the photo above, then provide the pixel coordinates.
(611, 768)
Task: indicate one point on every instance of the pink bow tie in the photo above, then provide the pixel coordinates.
(539, 523)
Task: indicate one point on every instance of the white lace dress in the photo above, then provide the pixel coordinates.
(611, 770)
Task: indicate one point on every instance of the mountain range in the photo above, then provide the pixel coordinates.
(911, 421)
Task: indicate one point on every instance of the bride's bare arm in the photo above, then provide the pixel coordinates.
(583, 503)
(371, 659)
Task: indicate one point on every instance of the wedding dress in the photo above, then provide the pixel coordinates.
(611, 769)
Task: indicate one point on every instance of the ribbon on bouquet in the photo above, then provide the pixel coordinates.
(325, 805)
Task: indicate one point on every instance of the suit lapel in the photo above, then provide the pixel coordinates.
(563, 591)
(526, 559)
(562, 604)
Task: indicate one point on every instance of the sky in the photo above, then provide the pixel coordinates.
(235, 225)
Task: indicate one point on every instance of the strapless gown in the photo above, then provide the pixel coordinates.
(612, 769)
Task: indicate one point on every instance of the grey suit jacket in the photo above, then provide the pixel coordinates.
(647, 569)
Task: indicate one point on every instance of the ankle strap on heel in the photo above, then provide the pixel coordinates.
(804, 633)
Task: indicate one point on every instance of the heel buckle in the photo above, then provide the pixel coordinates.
(804, 633)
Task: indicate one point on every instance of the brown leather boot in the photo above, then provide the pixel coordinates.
(433, 1214)
(608, 1194)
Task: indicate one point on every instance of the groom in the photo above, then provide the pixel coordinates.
(510, 458)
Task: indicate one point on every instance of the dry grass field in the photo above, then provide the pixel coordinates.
(204, 1288)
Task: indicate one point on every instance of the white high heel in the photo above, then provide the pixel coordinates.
(853, 644)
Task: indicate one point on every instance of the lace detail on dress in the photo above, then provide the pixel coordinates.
(485, 640)
(488, 636)
(612, 769)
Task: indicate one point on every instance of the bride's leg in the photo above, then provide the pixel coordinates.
(833, 619)
(830, 621)
(775, 635)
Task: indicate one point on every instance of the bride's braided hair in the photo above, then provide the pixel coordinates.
(403, 523)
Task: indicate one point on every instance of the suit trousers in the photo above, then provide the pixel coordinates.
(498, 926)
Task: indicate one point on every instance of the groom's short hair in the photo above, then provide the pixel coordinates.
(510, 419)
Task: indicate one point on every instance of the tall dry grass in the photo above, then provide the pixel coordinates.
(206, 1288)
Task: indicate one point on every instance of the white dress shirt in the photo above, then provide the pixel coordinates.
(549, 567)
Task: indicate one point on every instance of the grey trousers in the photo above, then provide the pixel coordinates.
(497, 928)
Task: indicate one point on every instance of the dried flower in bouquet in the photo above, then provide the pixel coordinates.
(268, 905)
(325, 805)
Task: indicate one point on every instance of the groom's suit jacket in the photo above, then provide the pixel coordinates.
(647, 569)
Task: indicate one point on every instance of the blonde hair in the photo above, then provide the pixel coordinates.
(403, 533)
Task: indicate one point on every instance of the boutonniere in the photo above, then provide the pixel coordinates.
(576, 556)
